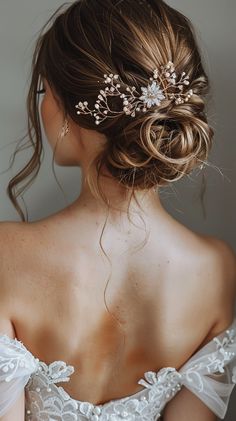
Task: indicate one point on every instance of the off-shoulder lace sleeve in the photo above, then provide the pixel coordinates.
(16, 366)
(211, 372)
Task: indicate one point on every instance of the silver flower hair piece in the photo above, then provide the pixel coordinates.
(153, 94)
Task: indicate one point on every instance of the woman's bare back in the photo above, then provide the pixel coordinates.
(162, 299)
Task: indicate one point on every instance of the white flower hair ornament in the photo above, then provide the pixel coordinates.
(153, 94)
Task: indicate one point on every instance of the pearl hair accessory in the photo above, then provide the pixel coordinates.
(153, 94)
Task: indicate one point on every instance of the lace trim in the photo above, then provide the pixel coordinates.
(56, 372)
(217, 363)
(18, 357)
(44, 397)
(159, 386)
(217, 359)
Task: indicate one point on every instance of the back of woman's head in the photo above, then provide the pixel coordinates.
(129, 38)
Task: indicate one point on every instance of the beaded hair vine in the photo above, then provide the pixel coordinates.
(152, 94)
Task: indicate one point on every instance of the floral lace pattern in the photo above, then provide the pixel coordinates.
(215, 362)
(42, 393)
(17, 357)
(45, 401)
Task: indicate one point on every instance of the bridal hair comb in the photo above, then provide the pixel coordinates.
(164, 85)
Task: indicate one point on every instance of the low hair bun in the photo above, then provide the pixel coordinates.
(172, 141)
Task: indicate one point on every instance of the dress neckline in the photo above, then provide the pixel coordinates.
(21, 345)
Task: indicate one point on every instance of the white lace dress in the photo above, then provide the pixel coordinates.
(210, 374)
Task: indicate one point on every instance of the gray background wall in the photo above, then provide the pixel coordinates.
(214, 21)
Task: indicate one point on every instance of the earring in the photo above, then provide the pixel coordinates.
(65, 129)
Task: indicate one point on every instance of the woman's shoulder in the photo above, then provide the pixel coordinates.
(205, 268)
(206, 256)
(16, 240)
(13, 236)
(8, 243)
(209, 254)
(10, 231)
(219, 260)
(222, 272)
(18, 235)
(215, 280)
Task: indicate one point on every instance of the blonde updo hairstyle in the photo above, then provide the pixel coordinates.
(91, 38)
